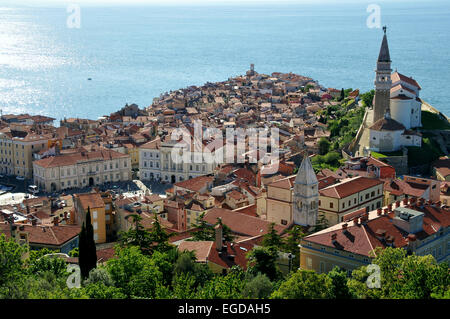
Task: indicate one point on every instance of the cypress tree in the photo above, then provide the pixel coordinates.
(82, 252)
(87, 251)
(90, 243)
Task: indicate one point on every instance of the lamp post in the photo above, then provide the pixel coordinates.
(290, 257)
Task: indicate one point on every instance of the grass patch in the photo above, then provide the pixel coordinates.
(432, 121)
(426, 154)
(386, 154)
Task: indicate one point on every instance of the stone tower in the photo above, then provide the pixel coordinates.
(306, 195)
(383, 81)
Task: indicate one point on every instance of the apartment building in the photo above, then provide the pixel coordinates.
(17, 146)
(81, 169)
(156, 162)
(420, 227)
(101, 215)
(349, 195)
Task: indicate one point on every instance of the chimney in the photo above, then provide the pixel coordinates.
(56, 221)
(405, 201)
(34, 222)
(219, 233)
(355, 221)
(386, 211)
(397, 204)
(379, 211)
(344, 226)
(333, 237)
(381, 234)
(421, 201)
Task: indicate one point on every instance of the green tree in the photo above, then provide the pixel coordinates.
(263, 260)
(290, 244)
(137, 236)
(339, 288)
(134, 273)
(367, 98)
(224, 287)
(324, 146)
(272, 239)
(11, 262)
(403, 276)
(159, 236)
(258, 287)
(87, 250)
(322, 223)
(305, 284)
(342, 96)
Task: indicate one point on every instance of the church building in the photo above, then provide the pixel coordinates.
(387, 126)
(294, 199)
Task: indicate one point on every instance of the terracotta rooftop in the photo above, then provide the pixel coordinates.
(240, 223)
(387, 124)
(349, 187)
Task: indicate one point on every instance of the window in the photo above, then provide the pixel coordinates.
(372, 194)
(309, 262)
(367, 196)
(331, 205)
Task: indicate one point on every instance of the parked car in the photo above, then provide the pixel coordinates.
(33, 189)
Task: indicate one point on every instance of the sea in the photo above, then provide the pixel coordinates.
(131, 54)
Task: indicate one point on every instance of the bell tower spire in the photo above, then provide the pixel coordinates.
(383, 80)
(306, 194)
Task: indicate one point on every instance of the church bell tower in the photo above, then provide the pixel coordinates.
(306, 195)
(383, 82)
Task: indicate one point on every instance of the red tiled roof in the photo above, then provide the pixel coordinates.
(202, 248)
(240, 223)
(349, 187)
(74, 158)
(395, 77)
(46, 235)
(92, 200)
(195, 184)
(442, 165)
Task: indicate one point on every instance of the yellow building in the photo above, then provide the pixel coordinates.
(349, 245)
(100, 215)
(133, 152)
(279, 201)
(17, 146)
(337, 200)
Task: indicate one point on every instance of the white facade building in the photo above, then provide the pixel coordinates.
(156, 162)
